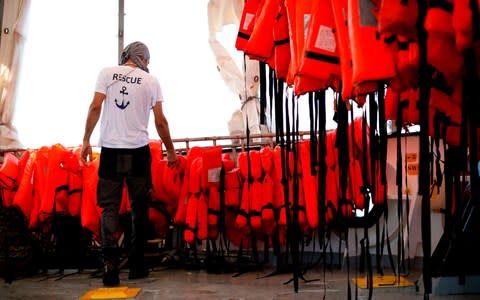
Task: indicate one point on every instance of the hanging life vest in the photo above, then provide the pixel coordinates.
(371, 61)
(268, 209)
(23, 198)
(90, 212)
(320, 56)
(74, 182)
(310, 184)
(180, 215)
(406, 58)
(9, 171)
(8, 194)
(212, 165)
(260, 44)
(398, 17)
(441, 51)
(299, 16)
(407, 102)
(281, 49)
(192, 208)
(242, 220)
(250, 11)
(462, 24)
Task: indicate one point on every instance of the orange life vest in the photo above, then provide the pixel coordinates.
(268, 213)
(39, 184)
(75, 189)
(407, 101)
(310, 184)
(172, 183)
(74, 180)
(283, 201)
(260, 44)
(251, 8)
(180, 214)
(255, 190)
(462, 25)
(281, 50)
(8, 178)
(202, 217)
(232, 188)
(90, 212)
(242, 220)
(213, 212)
(320, 56)
(190, 219)
(9, 171)
(398, 17)
(340, 9)
(159, 222)
(406, 57)
(441, 50)
(23, 198)
(449, 111)
(371, 61)
(298, 13)
(212, 165)
(192, 209)
(8, 194)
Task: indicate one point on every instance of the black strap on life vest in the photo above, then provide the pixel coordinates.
(424, 184)
(402, 104)
(475, 19)
(471, 61)
(295, 227)
(263, 91)
(382, 157)
(342, 144)
(320, 101)
(374, 156)
(367, 192)
(313, 113)
(272, 92)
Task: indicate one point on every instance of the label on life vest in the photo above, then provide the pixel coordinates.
(248, 19)
(412, 169)
(411, 157)
(306, 23)
(326, 39)
(214, 175)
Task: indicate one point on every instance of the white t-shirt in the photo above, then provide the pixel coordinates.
(130, 95)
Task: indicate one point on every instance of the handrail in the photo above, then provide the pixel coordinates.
(236, 141)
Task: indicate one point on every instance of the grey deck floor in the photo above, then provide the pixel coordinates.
(198, 284)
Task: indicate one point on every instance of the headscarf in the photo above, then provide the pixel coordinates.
(136, 51)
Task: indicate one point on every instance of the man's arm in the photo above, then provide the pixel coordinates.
(161, 124)
(94, 112)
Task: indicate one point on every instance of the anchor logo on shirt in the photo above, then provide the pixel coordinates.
(123, 105)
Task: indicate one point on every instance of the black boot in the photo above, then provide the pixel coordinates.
(110, 260)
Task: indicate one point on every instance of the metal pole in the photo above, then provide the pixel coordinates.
(121, 19)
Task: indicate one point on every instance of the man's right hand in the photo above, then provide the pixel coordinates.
(86, 153)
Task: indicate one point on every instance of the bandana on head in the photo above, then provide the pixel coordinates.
(136, 51)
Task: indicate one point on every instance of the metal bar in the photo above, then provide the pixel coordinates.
(121, 22)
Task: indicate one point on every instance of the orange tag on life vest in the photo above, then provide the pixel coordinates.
(411, 157)
(412, 169)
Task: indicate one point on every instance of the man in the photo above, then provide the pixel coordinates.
(126, 94)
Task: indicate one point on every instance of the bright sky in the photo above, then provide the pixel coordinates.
(70, 41)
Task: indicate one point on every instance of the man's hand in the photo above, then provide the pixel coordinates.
(172, 160)
(86, 153)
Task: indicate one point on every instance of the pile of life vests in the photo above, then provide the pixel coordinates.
(211, 191)
(351, 45)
